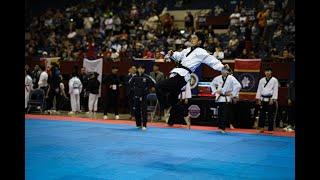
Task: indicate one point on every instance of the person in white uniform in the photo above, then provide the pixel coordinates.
(75, 88)
(187, 62)
(93, 89)
(180, 110)
(43, 80)
(225, 88)
(28, 87)
(267, 95)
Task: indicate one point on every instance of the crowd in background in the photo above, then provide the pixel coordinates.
(118, 30)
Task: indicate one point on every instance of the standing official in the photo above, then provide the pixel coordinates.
(267, 95)
(112, 83)
(132, 72)
(225, 87)
(140, 85)
(291, 106)
(84, 95)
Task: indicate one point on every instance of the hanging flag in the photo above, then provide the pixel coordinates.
(247, 72)
(94, 66)
(196, 76)
(49, 61)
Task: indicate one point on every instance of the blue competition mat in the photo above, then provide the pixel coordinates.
(65, 150)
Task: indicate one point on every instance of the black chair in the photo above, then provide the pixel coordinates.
(152, 105)
(37, 99)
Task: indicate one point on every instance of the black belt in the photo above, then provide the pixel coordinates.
(183, 67)
(269, 96)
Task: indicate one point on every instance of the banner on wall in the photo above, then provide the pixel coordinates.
(48, 61)
(247, 72)
(94, 66)
(196, 77)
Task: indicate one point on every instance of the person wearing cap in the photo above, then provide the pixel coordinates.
(267, 95)
(188, 60)
(111, 101)
(93, 89)
(140, 86)
(75, 88)
(225, 88)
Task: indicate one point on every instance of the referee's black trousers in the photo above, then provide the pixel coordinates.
(168, 91)
(224, 112)
(140, 111)
(270, 109)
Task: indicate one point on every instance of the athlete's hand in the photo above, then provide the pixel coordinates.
(259, 102)
(170, 52)
(229, 93)
(226, 66)
(235, 100)
(271, 102)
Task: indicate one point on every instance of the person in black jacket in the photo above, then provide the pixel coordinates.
(112, 82)
(93, 89)
(132, 72)
(140, 85)
(54, 88)
(84, 94)
(291, 106)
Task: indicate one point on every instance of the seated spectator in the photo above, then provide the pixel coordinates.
(114, 55)
(116, 24)
(106, 54)
(218, 53)
(87, 23)
(188, 20)
(251, 55)
(263, 51)
(218, 10)
(147, 53)
(134, 12)
(244, 54)
(278, 32)
(210, 45)
(167, 22)
(151, 23)
(108, 25)
(262, 20)
(285, 55)
(233, 45)
(123, 35)
(235, 18)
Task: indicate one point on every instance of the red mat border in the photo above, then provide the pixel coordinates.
(154, 124)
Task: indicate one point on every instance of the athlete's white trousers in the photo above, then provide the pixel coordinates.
(93, 102)
(75, 102)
